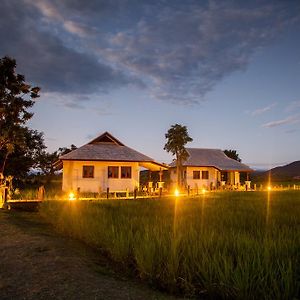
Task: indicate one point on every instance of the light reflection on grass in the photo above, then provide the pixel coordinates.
(219, 245)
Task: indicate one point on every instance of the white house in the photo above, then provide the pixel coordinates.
(104, 163)
(209, 168)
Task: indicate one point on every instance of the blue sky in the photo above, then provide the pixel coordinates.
(228, 70)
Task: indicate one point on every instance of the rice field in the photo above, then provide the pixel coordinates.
(219, 245)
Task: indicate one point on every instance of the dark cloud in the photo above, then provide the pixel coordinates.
(186, 51)
(46, 59)
(179, 50)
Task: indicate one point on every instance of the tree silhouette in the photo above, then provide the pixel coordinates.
(177, 137)
(232, 154)
(16, 98)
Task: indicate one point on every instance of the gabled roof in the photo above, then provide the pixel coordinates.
(106, 138)
(201, 157)
(107, 148)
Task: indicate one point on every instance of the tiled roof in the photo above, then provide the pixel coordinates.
(201, 157)
(105, 152)
(106, 148)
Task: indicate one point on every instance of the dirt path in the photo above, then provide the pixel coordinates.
(36, 263)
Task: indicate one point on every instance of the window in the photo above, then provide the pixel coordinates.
(204, 174)
(113, 172)
(125, 172)
(88, 171)
(196, 174)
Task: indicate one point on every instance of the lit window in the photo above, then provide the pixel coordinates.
(125, 172)
(196, 174)
(88, 171)
(113, 172)
(204, 174)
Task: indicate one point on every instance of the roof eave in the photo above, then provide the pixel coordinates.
(216, 167)
(113, 160)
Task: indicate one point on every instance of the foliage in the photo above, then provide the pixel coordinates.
(232, 154)
(46, 160)
(16, 98)
(25, 156)
(226, 245)
(177, 137)
(64, 150)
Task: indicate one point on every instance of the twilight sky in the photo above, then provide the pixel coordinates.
(228, 70)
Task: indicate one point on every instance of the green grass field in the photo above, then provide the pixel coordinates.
(230, 245)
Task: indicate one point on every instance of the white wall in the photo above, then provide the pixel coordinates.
(213, 177)
(72, 177)
(202, 183)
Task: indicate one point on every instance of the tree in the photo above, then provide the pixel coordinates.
(232, 154)
(46, 161)
(24, 157)
(16, 97)
(64, 150)
(177, 137)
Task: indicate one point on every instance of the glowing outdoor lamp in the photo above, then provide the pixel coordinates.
(203, 191)
(71, 196)
(269, 188)
(176, 192)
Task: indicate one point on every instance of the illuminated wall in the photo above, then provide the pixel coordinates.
(73, 177)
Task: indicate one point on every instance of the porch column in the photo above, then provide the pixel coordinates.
(231, 178)
(160, 174)
(236, 177)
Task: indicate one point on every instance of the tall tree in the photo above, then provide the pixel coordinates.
(177, 137)
(16, 98)
(232, 154)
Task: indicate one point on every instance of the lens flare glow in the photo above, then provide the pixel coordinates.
(269, 188)
(203, 191)
(71, 196)
(176, 193)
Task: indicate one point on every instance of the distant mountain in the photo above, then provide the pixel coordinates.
(288, 172)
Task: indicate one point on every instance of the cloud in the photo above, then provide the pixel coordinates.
(295, 105)
(178, 51)
(46, 60)
(291, 131)
(47, 9)
(262, 110)
(289, 120)
(72, 101)
(51, 13)
(185, 50)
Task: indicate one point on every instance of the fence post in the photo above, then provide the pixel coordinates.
(5, 193)
(78, 193)
(134, 193)
(41, 193)
(107, 193)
